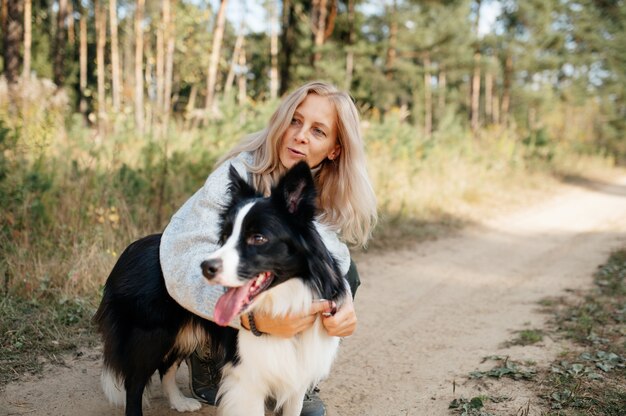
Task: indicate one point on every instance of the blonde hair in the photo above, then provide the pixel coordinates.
(345, 195)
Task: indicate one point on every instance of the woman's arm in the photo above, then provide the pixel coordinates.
(190, 237)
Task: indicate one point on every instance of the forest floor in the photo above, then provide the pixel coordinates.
(428, 315)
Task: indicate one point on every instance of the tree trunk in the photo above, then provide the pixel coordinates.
(218, 33)
(241, 79)
(12, 28)
(475, 90)
(160, 60)
(441, 89)
(274, 49)
(495, 114)
(139, 113)
(350, 53)
(475, 101)
(82, 59)
(234, 62)
(116, 84)
(60, 45)
(28, 37)
(101, 29)
(319, 29)
(148, 69)
(4, 21)
(390, 61)
(288, 42)
(191, 105)
(428, 98)
(489, 96)
(506, 89)
(71, 38)
(170, 38)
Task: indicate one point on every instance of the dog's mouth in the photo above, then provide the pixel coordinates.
(237, 299)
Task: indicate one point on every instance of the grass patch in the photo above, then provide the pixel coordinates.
(526, 337)
(506, 368)
(592, 379)
(589, 377)
(476, 405)
(34, 332)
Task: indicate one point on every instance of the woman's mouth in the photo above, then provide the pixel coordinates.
(296, 153)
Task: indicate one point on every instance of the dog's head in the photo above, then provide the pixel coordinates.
(266, 241)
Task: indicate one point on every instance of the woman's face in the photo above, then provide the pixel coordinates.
(312, 134)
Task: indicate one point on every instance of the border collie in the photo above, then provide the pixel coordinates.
(273, 261)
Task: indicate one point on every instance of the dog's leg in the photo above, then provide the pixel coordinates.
(134, 394)
(177, 400)
(293, 405)
(240, 397)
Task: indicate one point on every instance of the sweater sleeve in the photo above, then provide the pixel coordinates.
(190, 237)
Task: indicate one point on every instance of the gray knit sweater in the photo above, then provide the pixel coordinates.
(192, 235)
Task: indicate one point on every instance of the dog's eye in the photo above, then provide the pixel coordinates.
(257, 239)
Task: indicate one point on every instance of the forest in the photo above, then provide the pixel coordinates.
(113, 112)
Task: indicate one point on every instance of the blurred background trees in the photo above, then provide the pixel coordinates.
(477, 63)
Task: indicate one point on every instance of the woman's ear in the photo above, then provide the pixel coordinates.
(334, 154)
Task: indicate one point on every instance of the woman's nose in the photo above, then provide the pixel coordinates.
(301, 136)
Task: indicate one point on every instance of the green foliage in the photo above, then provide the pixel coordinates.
(527, 337)
(36, 331)
(474, 406)
(591, 379)
(506, 368)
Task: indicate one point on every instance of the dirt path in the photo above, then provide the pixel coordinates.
(427, 314)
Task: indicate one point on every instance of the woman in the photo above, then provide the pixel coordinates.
(318, 124)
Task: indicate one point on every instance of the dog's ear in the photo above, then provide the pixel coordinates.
(296, 192)
(239, 188)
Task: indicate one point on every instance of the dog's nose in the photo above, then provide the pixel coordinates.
(210, 268)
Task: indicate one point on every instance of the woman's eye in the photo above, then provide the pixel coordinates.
(319, 132)
(257, 239)
(295, 121)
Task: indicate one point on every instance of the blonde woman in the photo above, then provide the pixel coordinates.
(316, 123)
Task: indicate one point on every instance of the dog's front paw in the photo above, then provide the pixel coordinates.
(185, 404)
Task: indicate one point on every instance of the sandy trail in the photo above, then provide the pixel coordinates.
(427, 313)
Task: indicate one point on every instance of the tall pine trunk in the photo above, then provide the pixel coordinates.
(101, 29)
(489, 96)
(234, 62)
(475, 90)
(82, 59)
(319, 28)
(218, 33)
(288, 42)
(441, 92)
(71, 38)
(506, 89)
(350, 50)
(139, 111)
(160, 60)
(116, 84)
(28, 37)
(170, 39)
(274, 49)
(428, 98)
(12, 36)
(390, 60)
(60, 45)
(241, 79)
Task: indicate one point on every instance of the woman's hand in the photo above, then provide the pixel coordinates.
(343, 322)
(290, 325)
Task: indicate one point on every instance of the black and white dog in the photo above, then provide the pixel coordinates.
(273, 261)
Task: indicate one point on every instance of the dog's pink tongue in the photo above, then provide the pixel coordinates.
(230, 303)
